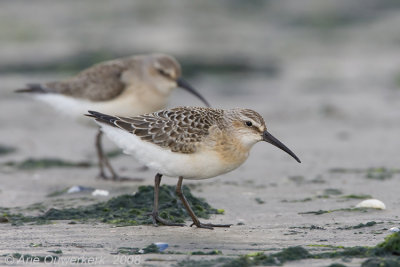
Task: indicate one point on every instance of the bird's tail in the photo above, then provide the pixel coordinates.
(32, 88)
(102, 118)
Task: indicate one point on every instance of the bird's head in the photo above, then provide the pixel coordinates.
(249, 128)
(167, 74)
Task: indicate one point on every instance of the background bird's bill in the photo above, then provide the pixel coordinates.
(185, 85)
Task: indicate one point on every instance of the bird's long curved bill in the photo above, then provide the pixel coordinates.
(185, 85)
(267, 137)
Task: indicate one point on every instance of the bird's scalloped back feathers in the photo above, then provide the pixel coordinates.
(179, 129)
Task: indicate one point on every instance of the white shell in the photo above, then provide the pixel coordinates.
(372, 203)
(74, 189)
(99, 192)
(78, 188)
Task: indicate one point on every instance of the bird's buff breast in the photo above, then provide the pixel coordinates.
(212, 158)
(202, 165)
(133, 102)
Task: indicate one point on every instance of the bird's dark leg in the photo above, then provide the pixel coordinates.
(190, 211)
(100, 155)
(156, 218)
(103, 161)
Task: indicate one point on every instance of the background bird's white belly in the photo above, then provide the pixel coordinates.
(76, 108)
(68, 106)
(199, 165)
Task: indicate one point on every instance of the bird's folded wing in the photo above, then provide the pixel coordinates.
(179, 129)
(101, 82)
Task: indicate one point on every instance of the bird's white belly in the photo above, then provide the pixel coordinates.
(199, 165)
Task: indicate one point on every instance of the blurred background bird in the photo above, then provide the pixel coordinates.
(126, 87)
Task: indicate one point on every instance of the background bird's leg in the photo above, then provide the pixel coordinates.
(156, 218)
(104, 162)
(100, 155)
(195, 220)
(107, 163)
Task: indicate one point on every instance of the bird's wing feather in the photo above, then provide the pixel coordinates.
(179, 129)
(98, 83)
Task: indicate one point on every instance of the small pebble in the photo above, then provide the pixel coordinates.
(371, 203)
(394, 229)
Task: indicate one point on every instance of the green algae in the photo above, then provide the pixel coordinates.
(152, 248)
(291, 254)
(253, 259)
(207, 263)
(58, 251)
(311, 227)
(324, 246)
(219, 211)
(381, 173)
(4, 219)
(332, 191)
(297, 200)
(212, 252)
(358, 226)
(319, 212)
(384, 254)
(4, 150)
(376, 173)
(382, 262)
(124, 210)
(354, 196)
(259, 200)
(391, 244)
(388, 248)
(46, 163)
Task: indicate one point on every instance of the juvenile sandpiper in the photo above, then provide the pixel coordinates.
(189, 143)
(127, 87)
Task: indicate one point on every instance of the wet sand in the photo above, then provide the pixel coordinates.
(335, 104)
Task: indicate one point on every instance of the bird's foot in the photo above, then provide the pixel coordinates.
(157, 219)
(209, 225)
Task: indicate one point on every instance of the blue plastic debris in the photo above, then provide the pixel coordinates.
(161, 246)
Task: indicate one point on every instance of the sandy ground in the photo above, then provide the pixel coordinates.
(335, 103)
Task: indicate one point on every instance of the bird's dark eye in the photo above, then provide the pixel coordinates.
(163, 72)
(248, 123)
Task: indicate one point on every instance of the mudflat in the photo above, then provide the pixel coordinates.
(335, 103)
